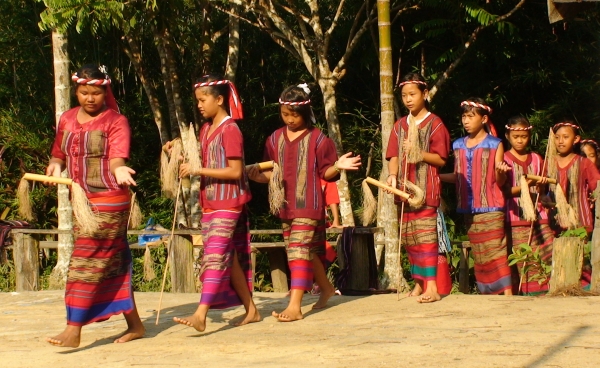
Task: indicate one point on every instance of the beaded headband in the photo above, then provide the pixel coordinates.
(476, 104)
(302, 86)
(518, 129)
(563, 124)
(235, 105)
(412, 82)
(109, 100)
(590, 142)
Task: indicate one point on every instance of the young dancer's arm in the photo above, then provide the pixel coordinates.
(345, 162)
(501, 166)
(233, 171)
(122, 172)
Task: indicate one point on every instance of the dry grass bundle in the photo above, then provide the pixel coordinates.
(525, 201)
(164, 168)
(551, 155)
(192, 150)
(369, 204)
(567, 216)
(573, 290)
(413, 154)
(135, 213)
(276, 190)
(149, 273)
(171, 174)
(25, 210)
(82, 209)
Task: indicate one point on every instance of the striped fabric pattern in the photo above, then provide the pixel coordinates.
(532, 165)
(419, 236)
(488, 245)
(99, 277)
(223, 232)
(304, 239)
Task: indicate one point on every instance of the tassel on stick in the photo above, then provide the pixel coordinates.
(567, 217)
(135, 213)
(171, 177)
(525, 201)
(276, 190)
(413, 153)
(551, 155)
(149, 273)
(25, 210)
(192, 150)
(415, 197)
(164, 169)
(538, 178)
(262, 166)
(369, 204)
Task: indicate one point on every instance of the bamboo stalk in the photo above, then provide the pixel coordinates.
(47, 179)
(538, 178)
(381, 185)
(262, 166)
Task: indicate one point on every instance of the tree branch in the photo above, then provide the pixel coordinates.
(327, 36)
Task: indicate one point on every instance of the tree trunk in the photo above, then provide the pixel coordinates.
(135, 55)
(327, 84)
(387, 215)
(567, 262)
(234, 44)
(595, 256)
(62, 96)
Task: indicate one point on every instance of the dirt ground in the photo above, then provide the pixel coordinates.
(372, 331)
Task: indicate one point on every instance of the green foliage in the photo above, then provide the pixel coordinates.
(579, 232)
(7, 276)
(529, 261)
(98, 15)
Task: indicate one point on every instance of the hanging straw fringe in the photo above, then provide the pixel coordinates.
(135, 213)
(276, 190)
(566, 217)
(171, 177)
(551, 155)
(164, 169)
(25, 210)
(525, 201)
(413, 153)
(149, 273)
(369, 204)
(82, 208)
(192, 151)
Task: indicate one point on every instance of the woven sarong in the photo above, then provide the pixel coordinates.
(542, 239)
(99, 278)
(304, 238)
(224, 231)
(488, 245)
(420, 239)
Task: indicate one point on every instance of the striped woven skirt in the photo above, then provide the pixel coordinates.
(304, 239)
(488, 245)
(99, 278)
(542, 239)
(420, 239)
(223, 232)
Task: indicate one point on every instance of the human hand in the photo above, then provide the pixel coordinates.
(123, 175)
(186, 170)
(392, 181)
(502, 167)
(347, 162)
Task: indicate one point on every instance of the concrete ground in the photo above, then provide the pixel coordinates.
(370, 331)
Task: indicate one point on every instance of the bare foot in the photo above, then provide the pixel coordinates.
(131, 334)
(287, 316)
(69, 338)
(250, 317)
(416, 291)
(192, 321)
(323, 298)
(429, 297)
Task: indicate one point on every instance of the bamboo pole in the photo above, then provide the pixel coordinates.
(538, 178)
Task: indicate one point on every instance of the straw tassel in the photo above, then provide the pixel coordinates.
(135, 213)
(192, 150)
(82, 209)
(149, 273)
(25, 210)
(369, 204)
(164, 169)
(413, 153)
(276, 190)
(171, 177)
(525, 201)
(551, 155)
(566, 217)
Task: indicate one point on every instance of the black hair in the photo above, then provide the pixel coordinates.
(297, 94)
(415, 77)
(90, 71)
(217, 89)
(518, 120)
(479, 111)
(566, 123)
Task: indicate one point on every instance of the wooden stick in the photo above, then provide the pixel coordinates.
(47, 179)
(538, 178)
(262, 166)
(400, 230)
(396, 191)
(162, 288)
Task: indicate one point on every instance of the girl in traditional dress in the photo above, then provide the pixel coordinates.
(304, 155)
(479, 174)
(92, 142)
(590, 149)
(225, 273)
(577, 176)
(419, 224)
(523, 162)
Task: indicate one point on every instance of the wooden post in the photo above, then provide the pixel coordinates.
(182, 265)
(25, 255)
(567, 262)
(463, 272)
(359, 262)
(278, 265)
(595, 256)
